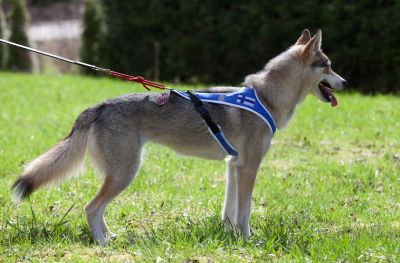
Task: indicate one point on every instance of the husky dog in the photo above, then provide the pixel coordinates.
(115, 131)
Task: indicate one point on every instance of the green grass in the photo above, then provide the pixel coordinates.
(328, 190)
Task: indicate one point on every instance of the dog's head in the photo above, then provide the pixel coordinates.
(322, 80)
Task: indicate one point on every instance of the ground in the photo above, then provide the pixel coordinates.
(327, 190)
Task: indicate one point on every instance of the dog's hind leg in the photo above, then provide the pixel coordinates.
(228, 211)
(115, 188)
(112, 186)
(94, 209)
(120, 162)
(104, 226)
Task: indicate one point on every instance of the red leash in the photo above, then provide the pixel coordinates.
(138, 79)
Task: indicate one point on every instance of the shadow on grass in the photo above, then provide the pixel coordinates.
(27, 228)
(271, 233)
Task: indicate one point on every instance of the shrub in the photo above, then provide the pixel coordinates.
(3, 47)
(92, 33)
(19, 59)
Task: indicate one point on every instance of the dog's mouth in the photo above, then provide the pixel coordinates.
(327, 92)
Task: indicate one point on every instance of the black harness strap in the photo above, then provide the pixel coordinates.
(213, 128)
(198, 105)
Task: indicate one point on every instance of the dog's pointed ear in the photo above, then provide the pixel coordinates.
(314, 45)
(304, 38)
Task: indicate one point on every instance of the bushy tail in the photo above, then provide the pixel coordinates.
(59, 161)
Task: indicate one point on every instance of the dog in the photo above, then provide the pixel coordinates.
(114, 132)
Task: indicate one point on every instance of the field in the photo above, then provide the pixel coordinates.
(328, 190)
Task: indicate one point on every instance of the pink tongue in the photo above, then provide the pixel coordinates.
(333, 101)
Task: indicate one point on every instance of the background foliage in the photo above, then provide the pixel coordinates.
(18, 59)
(92, 33)
(222, 41)
(2, 35)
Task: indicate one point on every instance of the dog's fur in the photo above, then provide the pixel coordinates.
(115, 131)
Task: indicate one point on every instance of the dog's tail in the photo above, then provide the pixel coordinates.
(59, 161)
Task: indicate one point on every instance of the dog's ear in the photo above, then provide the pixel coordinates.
(313, 46)
(304, 38)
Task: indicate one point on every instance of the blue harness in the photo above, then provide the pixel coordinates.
(245, 98)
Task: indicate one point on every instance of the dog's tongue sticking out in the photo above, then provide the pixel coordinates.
(333, 101)
(327, 92)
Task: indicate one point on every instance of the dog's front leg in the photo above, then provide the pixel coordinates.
(245, 176)
(228, 211)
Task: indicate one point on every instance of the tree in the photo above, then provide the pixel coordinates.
(92, 33)
(3, 47)
(19, 59)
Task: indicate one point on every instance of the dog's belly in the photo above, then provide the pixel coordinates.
(207, 149)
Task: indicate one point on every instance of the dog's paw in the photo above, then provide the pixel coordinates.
(111, 235)
(101, 243)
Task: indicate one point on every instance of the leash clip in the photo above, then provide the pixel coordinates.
(138, 79)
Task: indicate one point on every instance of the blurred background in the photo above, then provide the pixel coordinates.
(203, 41)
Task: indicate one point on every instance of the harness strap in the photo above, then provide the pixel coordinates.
(212, 126)
(245, 98)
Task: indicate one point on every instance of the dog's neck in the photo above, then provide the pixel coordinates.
(279, 93)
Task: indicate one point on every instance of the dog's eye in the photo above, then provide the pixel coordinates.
(325, 65)
(321, 64)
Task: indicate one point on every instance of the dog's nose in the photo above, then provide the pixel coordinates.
(344, 83)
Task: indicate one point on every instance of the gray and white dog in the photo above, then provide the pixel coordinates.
(115, 131)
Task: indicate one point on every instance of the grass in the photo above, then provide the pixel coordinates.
(327, 190)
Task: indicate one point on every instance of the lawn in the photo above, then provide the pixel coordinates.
(328, 190)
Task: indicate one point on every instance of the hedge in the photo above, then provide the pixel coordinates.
(222, 41)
